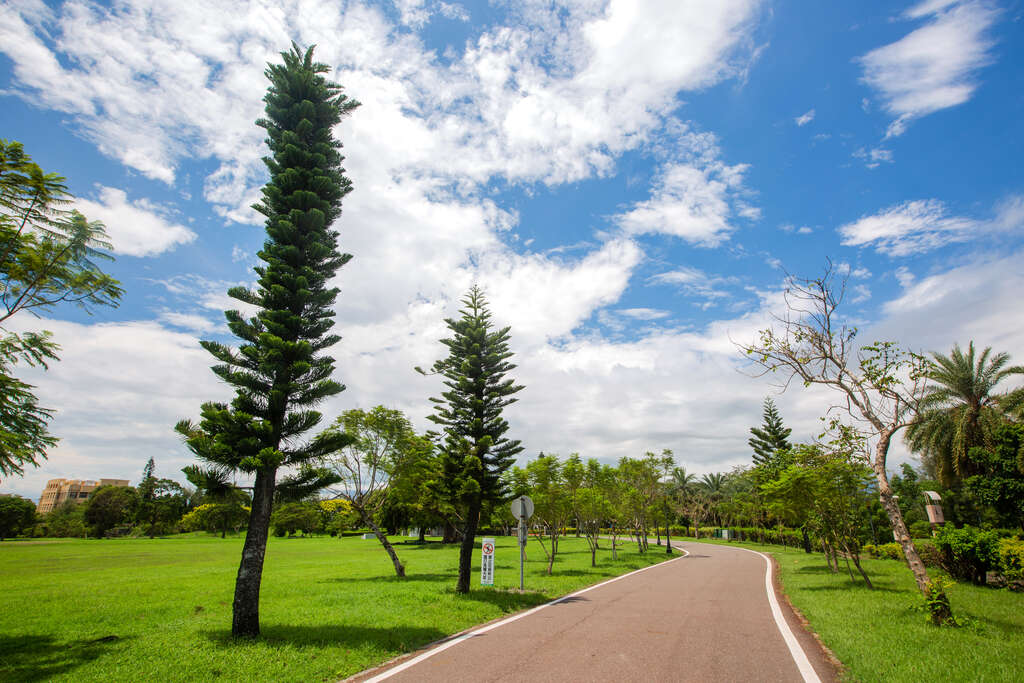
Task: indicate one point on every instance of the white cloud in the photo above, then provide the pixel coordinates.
(805, 118)
(697, 284)
(696, 202)
(136, 228)
(934, 66)
(874, 157)
(924, 225)
(644, 313)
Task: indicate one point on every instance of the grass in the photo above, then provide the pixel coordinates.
(141, 609)
(884, 635)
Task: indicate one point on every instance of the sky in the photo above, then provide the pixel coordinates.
(630, 182)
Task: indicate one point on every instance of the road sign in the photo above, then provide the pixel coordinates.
(487, 562)
(522, 507)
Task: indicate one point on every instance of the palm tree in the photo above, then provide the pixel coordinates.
(961, 410)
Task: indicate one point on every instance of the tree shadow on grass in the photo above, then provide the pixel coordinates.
(391, 578)
(506, 600)
(40, 657)
(397, 638)
(846, 585)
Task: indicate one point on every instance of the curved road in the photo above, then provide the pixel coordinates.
(706, 616)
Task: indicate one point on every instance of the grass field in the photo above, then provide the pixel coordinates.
(160, 610)
(883, 635)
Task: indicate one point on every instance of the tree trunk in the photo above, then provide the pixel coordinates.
(246, 609)
(807, 540)
(892, 509)
(368, 521)
(448, 534)
(423, 535)
(467, 548)
(856, 563)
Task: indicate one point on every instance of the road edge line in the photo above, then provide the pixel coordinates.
(795, 650)
(455, 640)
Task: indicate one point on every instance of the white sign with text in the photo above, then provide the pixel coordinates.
(487, 562)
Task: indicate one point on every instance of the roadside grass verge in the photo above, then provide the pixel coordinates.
(885, 634)
(160, 609)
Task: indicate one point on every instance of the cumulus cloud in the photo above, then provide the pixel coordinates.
(136, 228)
(698, 203)
(935, 66)
(873, 158)
(804, 118)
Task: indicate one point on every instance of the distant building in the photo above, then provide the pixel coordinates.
(59, 490)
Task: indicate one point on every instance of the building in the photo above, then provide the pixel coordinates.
(59, 490)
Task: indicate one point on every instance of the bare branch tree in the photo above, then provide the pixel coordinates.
(880, 385)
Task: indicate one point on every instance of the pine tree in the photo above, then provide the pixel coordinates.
(475, 452)
(278, 371)
(771, 436)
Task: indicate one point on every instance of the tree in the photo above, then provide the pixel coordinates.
(216, 517)
(280, 371)
(382, 450)
(827, 487)
(475, 451)
(296, 516)
(16, 515)
(110, 506)
(881, 385)
(771, 436)
(48, 256)
(551, 498)
(1000, 481)
(960, 409)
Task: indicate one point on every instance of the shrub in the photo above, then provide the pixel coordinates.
(920, 529)
(886, 551)
(968, 552)
(930, 555)
(1011, 558)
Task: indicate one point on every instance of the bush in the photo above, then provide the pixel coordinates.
(968, 553)
(930, 555)
(885, 551)
(920, 529)
(1011, 558)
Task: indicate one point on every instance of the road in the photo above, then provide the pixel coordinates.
(706, 616)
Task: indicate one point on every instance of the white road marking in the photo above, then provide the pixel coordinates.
(797, 652)
(384, 675)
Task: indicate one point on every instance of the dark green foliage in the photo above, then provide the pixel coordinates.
(969, 552)
(961, 410)
(48, 256)
(65, 521)
(16, 515)
(1000, 482)
(162, 502)
(110, 506)
(475, 452)
(770, 437)
(279, 371)
(292, 517)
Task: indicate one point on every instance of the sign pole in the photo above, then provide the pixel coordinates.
(522, 550)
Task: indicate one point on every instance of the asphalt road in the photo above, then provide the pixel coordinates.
(706, 616)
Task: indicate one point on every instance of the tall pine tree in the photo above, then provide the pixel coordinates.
(279, 371)
(475, 452)
(771, 436)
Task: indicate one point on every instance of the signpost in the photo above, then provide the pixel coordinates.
(487, 562)
(522, 509)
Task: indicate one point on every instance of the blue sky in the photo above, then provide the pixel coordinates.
(629, 181)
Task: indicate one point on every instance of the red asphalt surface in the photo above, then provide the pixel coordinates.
(702, 617)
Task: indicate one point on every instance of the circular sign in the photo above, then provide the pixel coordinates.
(488, 548)
(522, 507)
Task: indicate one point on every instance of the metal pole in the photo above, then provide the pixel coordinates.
(522, 549)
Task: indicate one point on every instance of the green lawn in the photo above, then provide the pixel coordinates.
(883, 635)
(160, 610)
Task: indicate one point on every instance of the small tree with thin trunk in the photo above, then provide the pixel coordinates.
(475, 452)
(771, 436)
(382, 450)
(881, 385)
